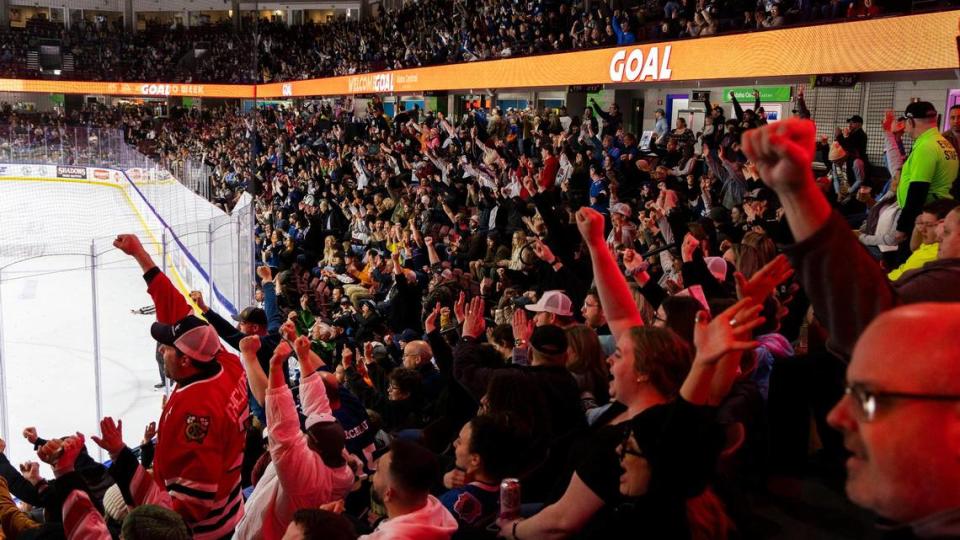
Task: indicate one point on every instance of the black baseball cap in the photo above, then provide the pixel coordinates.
(190, 335)
(549, 339)
(855, 118)
(920, 109)
(252, 315)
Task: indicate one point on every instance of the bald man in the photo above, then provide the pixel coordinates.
(900, 419)
(846, 286)
(418, 355)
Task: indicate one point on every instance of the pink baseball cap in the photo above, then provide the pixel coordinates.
(190, 335)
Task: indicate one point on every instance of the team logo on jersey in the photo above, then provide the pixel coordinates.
(197, 428)
(468, 507)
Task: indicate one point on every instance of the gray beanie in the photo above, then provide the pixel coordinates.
(152, 522)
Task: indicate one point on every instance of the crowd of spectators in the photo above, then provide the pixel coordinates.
(422, 33)
(642, 336)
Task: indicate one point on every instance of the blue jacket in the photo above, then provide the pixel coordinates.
(623, 38)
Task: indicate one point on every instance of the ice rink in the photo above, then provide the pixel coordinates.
(46, 304)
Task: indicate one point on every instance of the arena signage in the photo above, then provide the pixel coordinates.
(7, 170)
(772, 53)
(66, 171)
(629, 65)
(155, 89)
(798, 52)
(160, 89)
(378, 83)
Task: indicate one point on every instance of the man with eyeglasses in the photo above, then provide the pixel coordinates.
(900, 420)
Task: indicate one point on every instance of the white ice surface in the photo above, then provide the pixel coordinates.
(47, 317)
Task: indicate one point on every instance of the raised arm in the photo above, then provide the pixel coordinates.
(270, 307)
(431, 251)
(256, 378)
(171, 305)
(737, 109)
(620, 311)
(227, 331)
(299, 468)
(19, 486)
(310, 362)
(827, 257)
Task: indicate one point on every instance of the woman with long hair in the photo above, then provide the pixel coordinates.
(756, 250)
(585, 360)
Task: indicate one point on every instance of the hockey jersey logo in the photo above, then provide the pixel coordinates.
(468, 507)
(197, 428)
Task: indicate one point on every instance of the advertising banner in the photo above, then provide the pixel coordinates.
(129, 89)
(866, 47)
(767, 94)
(16, 169)
(68, 171)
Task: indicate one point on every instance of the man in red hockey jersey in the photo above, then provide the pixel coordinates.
(200, 436)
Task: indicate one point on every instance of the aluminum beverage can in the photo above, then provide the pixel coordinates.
(510, 498)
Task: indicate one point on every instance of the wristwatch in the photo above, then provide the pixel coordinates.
(520, 343)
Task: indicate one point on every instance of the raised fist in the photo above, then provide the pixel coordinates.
(302, 346)
(544, 252)
(283, 351)
(590, 223)
(197, 298)
(250, 344)
(31, 471)
(783, 153)
(264, 273)
(288, 330)
(128, 243)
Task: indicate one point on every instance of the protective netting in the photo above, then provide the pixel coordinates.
(43, 216)
(209, 247)
(69, 300)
